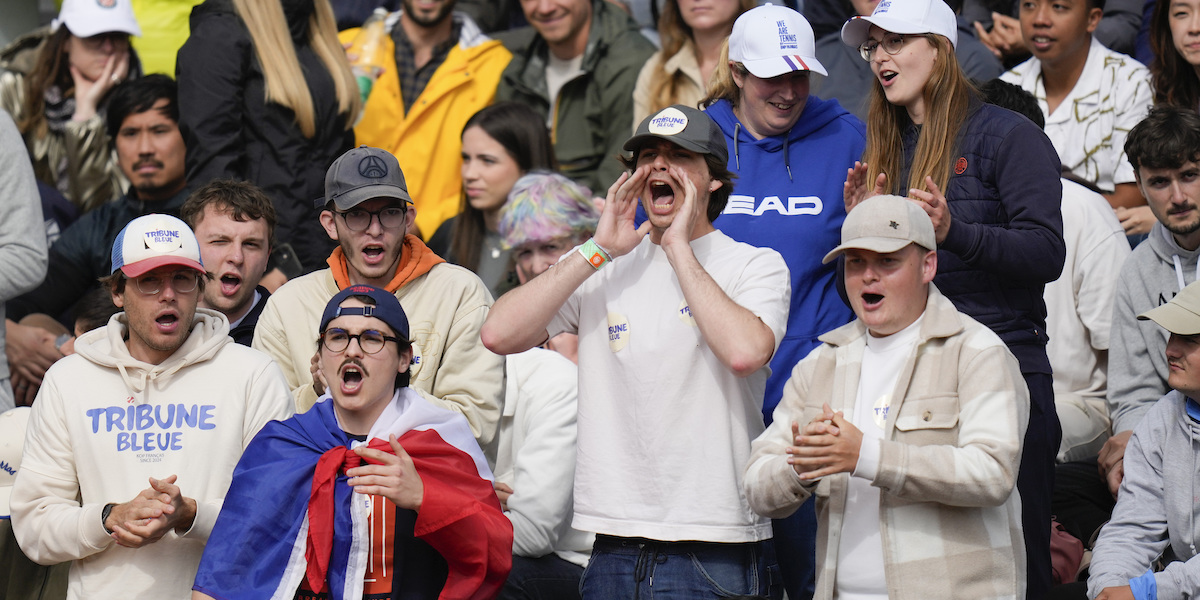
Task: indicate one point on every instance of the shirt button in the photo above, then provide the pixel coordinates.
(927, 416)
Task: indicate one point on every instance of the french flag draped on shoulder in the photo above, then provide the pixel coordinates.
(258, 547)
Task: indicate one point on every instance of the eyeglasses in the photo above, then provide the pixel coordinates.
(389, 218)
(182, 282)
(892, 43)
(371, 341)
(96, 42)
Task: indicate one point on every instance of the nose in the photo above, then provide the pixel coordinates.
(144, 145)
(1174, 347)
(543, 7)
(468, 170)
(1177, 194)
(1041, 15)
(660, 162)
(354, 348)
(375, 225)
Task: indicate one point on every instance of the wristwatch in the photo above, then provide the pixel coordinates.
(104, 516)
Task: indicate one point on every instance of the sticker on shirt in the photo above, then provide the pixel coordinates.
(618, 332)
(685, 314)
(414, 370)
(879, 412)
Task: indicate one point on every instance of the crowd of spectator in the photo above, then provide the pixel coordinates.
(600, 299)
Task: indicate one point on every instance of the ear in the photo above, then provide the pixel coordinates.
(405, 360)
(738, 78)
(928, 266)
(327, 221)
(119, 299)
(1094, 16)
(714, 185)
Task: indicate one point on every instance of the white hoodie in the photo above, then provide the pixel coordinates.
(105, 422)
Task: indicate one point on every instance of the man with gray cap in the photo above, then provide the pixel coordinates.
(674, 341)
(907, 425)
(1156, 513)
(367, 210)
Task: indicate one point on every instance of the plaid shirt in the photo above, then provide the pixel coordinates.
(413, 79)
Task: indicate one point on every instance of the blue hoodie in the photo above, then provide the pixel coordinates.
(788, 197)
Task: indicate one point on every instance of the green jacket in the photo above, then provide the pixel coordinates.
(595, 109)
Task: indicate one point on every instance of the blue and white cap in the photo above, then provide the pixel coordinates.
(152, 241)
(906, 17)
(772, 40)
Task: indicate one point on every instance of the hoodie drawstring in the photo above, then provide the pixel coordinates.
(1179, 271)
(787, 164)
(737, 158)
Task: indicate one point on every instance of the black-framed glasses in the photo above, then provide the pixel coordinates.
(892, 43)
(371, 341)
(182, 281)
(358, 219)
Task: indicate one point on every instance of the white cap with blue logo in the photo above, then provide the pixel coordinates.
(772, 40)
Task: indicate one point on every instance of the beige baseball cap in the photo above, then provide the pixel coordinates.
(1181, 315)
(885, 224)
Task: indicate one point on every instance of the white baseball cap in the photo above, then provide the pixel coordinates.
(772, 40)
(152, 241)
(904, 17)
(12, 440)
(85, 18)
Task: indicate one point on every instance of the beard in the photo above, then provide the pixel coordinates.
(427, 22)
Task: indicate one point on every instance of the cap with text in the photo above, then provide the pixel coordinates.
(772, 40)
(153, 241)
(685, 126)
(361, 174)
(1181, 315)
(885, 224)
(386, 308)
(907, 17)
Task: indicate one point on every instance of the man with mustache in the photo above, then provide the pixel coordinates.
(1164, 150)
(143, 127)
(387, 489)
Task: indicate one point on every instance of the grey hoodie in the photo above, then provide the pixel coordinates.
(1137, 364)
(1155, 513)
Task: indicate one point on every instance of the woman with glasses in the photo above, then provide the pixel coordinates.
(266, 96)
(56, 84)
(989, 180)
(788, 150)
(499, 144)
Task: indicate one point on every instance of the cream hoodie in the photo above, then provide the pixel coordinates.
(105, 422)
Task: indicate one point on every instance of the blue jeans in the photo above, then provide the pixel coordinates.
(638, 568)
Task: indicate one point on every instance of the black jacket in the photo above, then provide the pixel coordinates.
(1005, 239)
(244, 332)
(232, 132)
(83, 254)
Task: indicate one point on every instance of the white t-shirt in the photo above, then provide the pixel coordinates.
(558, 73)
(664, 426)
(1089, 127)
(860, 544)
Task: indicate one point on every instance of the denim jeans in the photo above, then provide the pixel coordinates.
(637, 568)
(545, 578)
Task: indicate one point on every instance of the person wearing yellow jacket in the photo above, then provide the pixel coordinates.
(426, 137)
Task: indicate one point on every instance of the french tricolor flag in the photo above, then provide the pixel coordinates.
(268, 522)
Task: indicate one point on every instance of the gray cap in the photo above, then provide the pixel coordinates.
(362, 174)
(684, 126)
(885, 224)
(1181, 315)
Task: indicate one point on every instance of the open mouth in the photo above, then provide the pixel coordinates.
(661, 193)
(230, 284)
(872, 300)
(352, 377)
(887, 76)
(373, 254)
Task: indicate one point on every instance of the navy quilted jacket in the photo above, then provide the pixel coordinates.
(1005, 240)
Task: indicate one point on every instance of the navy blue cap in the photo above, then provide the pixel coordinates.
(387, 308)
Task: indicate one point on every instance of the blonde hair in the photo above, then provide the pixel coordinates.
(283, 78)
(722, 86)
(948, 95)
(673, 31)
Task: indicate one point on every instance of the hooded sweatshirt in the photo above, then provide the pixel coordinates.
(104, 422)
(1137, 363)
(788, 197)
(1156, 513)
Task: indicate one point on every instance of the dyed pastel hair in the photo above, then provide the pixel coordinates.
(543, 206)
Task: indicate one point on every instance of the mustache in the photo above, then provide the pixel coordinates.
(357, 363)
(147, 161)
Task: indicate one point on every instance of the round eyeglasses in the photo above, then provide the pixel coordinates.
(371, 341)
(892, 43)
(389, 218)
(182, 282)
